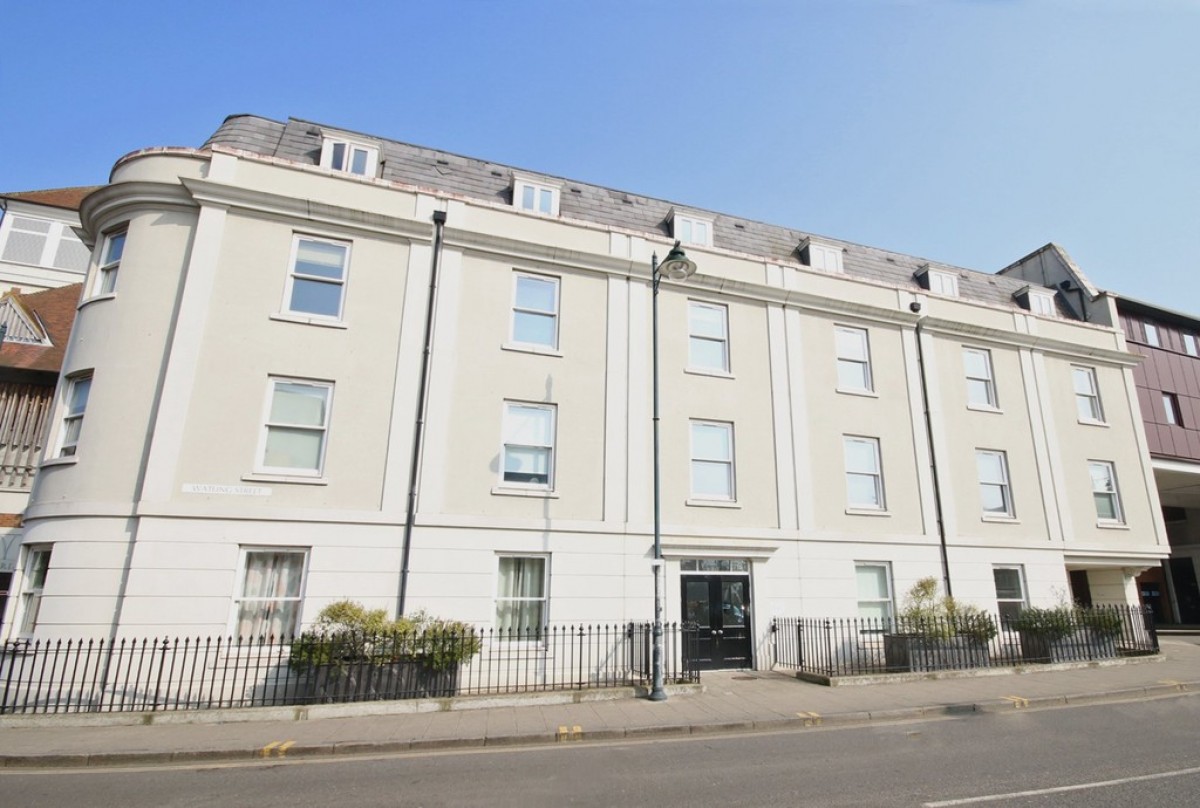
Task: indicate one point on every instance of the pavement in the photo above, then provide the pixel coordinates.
(724, 702)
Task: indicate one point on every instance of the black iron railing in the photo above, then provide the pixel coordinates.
(863, 646)
(68, 676)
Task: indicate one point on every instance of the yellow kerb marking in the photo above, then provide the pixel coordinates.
(574, 733)
(266, 750)
(1017, 701)
(285, 746)
(810, 719)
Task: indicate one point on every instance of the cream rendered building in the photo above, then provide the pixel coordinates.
(254, 362)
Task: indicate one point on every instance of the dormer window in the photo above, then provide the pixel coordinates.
(1038, 301)
(691, 229)
(535, 196)
(937, 281)
(349, 156)
(822, 256)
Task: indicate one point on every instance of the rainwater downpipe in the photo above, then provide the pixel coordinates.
(915, 307)
(439, 223)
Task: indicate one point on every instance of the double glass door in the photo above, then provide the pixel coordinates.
(720, 606)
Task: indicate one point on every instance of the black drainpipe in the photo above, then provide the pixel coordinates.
(933, 466)
(439, 223)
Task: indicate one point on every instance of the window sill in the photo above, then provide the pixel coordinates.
(540, 350)
(533, 493)
(300, 319)
(96, 299)
(985, 408)
(864, 393)
(1004, 520)
(258, 477)
(716, 374)
(712, 503)
(1107, 525)
(867, 512)
(1102, 424)
(70, 460)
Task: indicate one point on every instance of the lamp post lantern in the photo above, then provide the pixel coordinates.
(677, 267)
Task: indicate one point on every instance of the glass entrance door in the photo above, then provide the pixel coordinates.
(720, 606)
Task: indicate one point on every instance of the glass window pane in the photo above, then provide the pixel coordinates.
(1008, 584)
(522, 577)
(534, 329)
(338, 161)
(861, 490)
(991, 467)
(707, 321)
(853, 376)
(536, 294)
(523, 464)
(979, 391)
(293, 448)
(872, 582)
(302, 404)
(1101, 478)
(116, 248)
(320, 259)
(530, 426)
(874, 610)
(359, 164)
(851, 344)
(711, 479)
(992, 497)
(977, 364)
(546, 201)
(707, 354)
(1084, 382)
(80, 389)
(861, 456)
(710, 442)
(1105, 506)
(527, 197)
(316, 297)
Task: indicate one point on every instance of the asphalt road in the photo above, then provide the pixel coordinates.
(1137, 753)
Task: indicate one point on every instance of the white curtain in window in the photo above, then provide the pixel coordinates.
(520, 600)
(270, 594)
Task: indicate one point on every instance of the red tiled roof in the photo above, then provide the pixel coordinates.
(56, 309)
(69, 198)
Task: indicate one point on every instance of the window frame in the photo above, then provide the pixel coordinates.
(261, 465)
(728, 463)
(876, 474)
(864, 364)
(1092, 401)
(1118, 517)
(889, 603)
(240, 597)
(988, 381)
(1008, 614)
(722, 340)
(350, 145)
(822, 257)
(523, 633)
(551, 448)
(56, 235)
(685, 225)
(1153, 337)
(539, 190)
(292, 275)
(109, 266)
(943, 283)
(67, 447)
(519, 310)
(1004, 485)
(1171, 409)
(1042, 303)
(1190, 346)
(32, 588)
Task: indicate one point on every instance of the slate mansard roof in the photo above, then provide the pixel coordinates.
(300, 141)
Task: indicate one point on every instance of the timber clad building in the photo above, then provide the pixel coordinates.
(250, 343)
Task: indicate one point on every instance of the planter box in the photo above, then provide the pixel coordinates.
(366, 681)
(912, 652)
(1083, 644)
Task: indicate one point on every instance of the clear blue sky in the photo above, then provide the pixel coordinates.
(965, 131)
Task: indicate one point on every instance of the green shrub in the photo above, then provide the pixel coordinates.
(935, 617)
(346, 632)
(1054, 624)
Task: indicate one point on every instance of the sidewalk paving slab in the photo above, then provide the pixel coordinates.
(728, 702)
